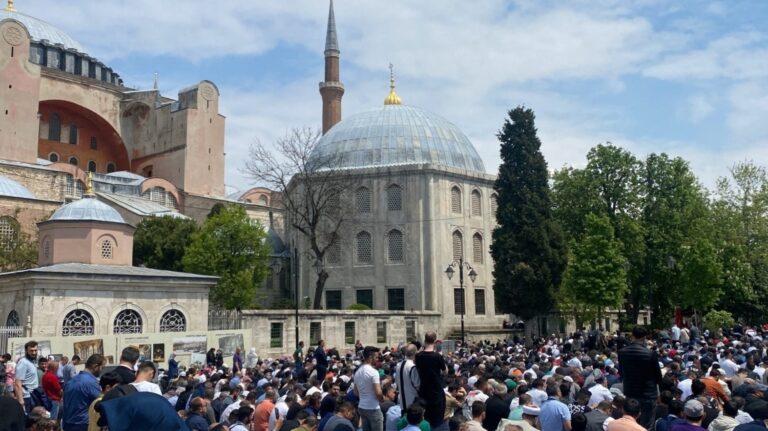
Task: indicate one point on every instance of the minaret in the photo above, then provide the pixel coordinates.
(331, 89)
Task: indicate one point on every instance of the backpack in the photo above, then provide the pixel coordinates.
(39, 398)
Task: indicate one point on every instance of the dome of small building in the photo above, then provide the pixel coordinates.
(40, 30)
(396, 135)
(11, 188)
(87, 209)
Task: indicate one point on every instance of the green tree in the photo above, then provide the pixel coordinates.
(18, 251)
(595, 277)
(716, 320)
(160, 242)
(528, 248)
(233, 247)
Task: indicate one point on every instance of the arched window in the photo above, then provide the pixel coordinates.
(394, 198)
(13, 319)
(106, 248)
(477, 248)
(458, 246)
(395, 246)
(364, 248)
(73, 188)
(333, 254)
(9, 231)
(476, 207)
(73, 134)
(91, 166)
(53, 157)
(54, 127)
(494, 204)
(47, 248)
(94, 143)
(127, 322)
(263, 200)
(110, 167)
(73, 161)
(456, 200)
(77, 322)
(363, 200)
(173, 321)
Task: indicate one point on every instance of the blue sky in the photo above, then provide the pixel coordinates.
(688, 78)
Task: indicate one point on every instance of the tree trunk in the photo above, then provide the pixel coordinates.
(317, 304)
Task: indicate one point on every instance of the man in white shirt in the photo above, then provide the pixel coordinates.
(368, 389)
(599, 392)
(727, 364)
(685, 385)
(538, 396)
(144, 377)
(407, 378)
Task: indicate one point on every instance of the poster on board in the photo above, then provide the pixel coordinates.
(190, 344)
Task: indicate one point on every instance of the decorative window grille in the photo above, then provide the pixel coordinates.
(333, 299)
(333, 254)
(363, 200)
(396, 299)
(73, 188)
(315, 332)
(456, 200)
(53, 157)
(365, 297)
(334, 202)
(91, 166)
(480, 302)
(54, 127)
(494, 205)
(173, 321)
(458, 246)
(477, 248)
(476, 207)
(349, 333)
(364, 248)
(394, 198)
(410, 330)
(395, 246)
(47, 248)
(13, 319)
(458, 301)
(106, 249)
(381, 332)
(161, 196)
(77, 322)
(276, 335)
(127, 322)
(9, 229)
(73, 134)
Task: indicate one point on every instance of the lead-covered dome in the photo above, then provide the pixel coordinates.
(396, 135)
(11, 188)
(87, 209)
(40, 30)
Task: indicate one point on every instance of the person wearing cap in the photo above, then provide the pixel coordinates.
(368, 388)
(496, 408)
(641, 375)
(694, 415)
(628, 422)
(529, 420)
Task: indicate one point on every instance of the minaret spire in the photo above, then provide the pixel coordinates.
(331, 90)
(9, 6)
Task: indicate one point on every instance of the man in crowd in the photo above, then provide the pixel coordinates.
(80, 392)
(128, 359)
(321, 360)
(639, 367)
(597, 417)
(555, 416)
(368, 388)
(264, 411)
(478, 415)
(144, 377)
(342, 420)
(431, 368)
(628, 422)
(26, 376)
(68, 369)
(196, 416)
(406, 377)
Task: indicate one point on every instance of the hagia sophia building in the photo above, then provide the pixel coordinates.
(422, 198)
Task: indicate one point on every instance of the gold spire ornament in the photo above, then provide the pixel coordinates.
(9, 7)
(89, 185)
(392, 98)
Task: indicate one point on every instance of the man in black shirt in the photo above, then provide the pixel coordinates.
(128, 359)
(431, 367)
(640, 372)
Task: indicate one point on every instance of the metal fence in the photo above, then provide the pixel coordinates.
(224, 319)
(7, 332)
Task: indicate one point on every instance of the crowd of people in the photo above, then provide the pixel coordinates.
(680, 379)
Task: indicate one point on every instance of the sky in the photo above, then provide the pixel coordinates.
(689, 78)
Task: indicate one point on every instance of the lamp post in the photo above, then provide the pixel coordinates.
(295, 267)
(472, 276)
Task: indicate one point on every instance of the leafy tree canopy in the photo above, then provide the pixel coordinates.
(160, 242)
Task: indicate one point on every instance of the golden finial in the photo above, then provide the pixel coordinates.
(89, 185)
(392, 98)
(9, 7)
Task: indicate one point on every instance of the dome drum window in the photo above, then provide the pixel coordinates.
(127, 322)
(173, 321)
(107, 251)
(161, 196)
(77, 322)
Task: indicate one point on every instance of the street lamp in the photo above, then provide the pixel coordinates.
(450, 271)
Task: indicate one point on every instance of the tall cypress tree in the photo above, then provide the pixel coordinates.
(528, 247)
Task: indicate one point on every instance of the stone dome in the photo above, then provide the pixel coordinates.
(396, 135)
(87, 209)
(9, 187)
(39, 30)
